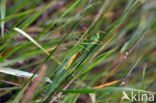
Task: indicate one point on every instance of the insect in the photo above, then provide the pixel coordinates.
(86, 44)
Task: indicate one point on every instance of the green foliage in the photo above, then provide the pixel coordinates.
(83, 43)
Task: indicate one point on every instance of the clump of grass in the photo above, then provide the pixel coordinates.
(76, 51)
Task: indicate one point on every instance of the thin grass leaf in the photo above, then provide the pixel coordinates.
(7, 18)
(107, 84)
(61, 17)
(20, 73)
(3, 10)
(18, 5)
(99, 60)
(32, 18)
(19, 96)
(98, 18)
(36, 43)
(102, 90)
(35, 85)
(72, 19)
(144, 26)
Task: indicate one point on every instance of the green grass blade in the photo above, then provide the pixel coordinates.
(17, 15)
(3, 10)
(35, 42)
(102, 90)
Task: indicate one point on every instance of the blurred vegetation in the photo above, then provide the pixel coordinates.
(88, 51)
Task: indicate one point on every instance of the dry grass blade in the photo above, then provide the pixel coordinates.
(35, 84)
(19, 73)
(107, 84)
(71, 61)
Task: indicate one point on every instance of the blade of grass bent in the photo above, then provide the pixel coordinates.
(36, 43)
